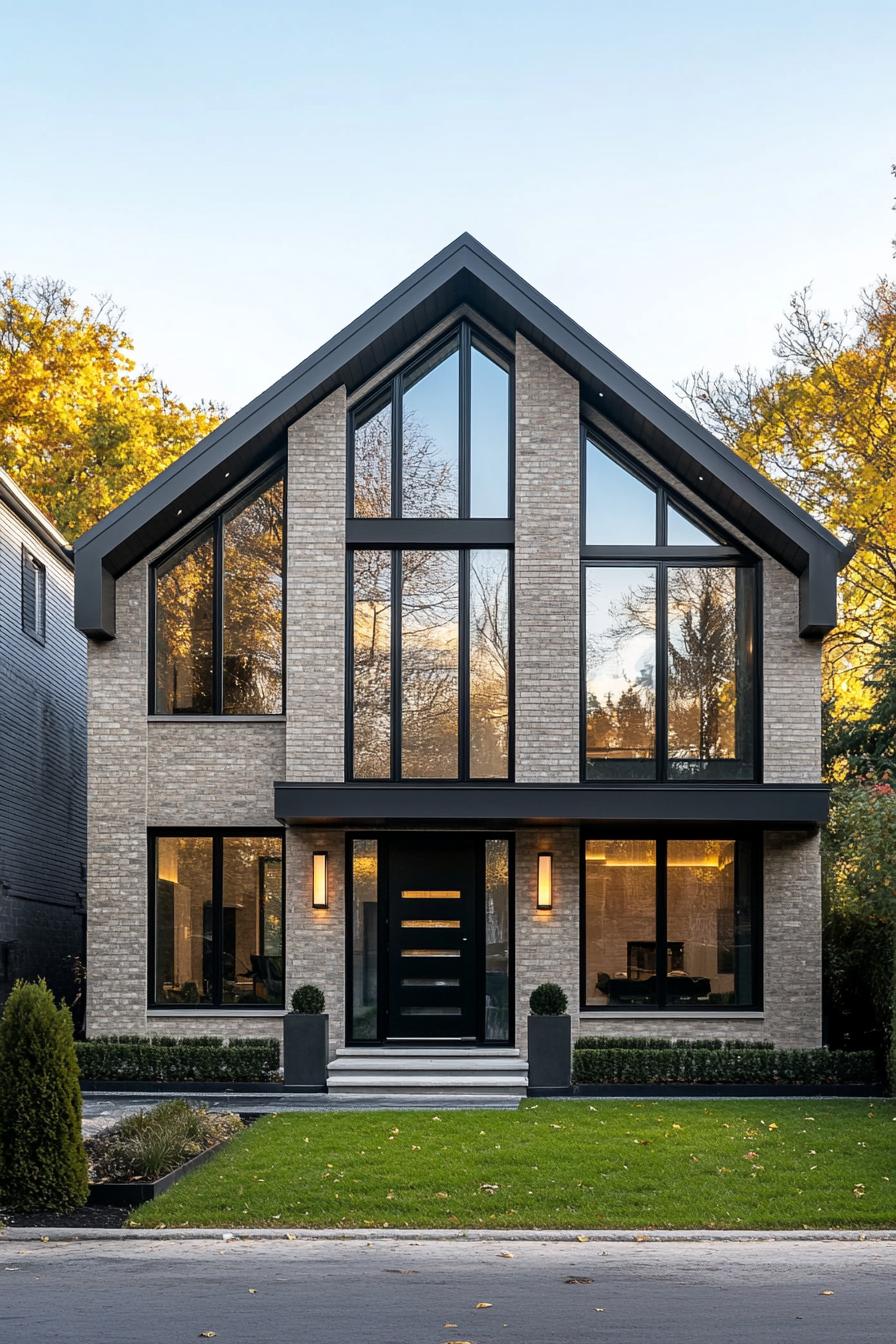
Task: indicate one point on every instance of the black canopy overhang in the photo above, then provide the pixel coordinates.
(771, 806)
(464, 272)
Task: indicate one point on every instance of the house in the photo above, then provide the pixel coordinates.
(459, 660)
(43, 752)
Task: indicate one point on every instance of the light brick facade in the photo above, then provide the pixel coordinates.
(215, 774)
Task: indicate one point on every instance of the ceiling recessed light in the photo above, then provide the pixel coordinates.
(179, 512)
(226, 475)
(600, 394)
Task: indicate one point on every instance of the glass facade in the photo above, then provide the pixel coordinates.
(218, 614)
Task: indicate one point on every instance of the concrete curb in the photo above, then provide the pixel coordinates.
(51, 1234)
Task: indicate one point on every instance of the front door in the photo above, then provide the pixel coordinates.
(432, 942)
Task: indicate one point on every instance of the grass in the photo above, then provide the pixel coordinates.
(626, 1164)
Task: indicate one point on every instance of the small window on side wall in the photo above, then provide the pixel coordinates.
(34, 597)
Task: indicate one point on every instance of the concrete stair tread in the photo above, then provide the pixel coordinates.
(430, 1080)
(428, 1052)
(433, 1063)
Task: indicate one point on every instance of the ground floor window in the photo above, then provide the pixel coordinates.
(216, 920)
(670, 921)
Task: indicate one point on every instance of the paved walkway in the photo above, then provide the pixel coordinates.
(102, 1109)
(388, 1292)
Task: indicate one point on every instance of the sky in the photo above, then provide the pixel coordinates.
(244, 179)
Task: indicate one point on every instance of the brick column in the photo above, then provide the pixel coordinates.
(547, 941)
(315, 570)
(546, 569)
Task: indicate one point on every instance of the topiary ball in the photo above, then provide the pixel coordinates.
(308, 999)
(548, 1000)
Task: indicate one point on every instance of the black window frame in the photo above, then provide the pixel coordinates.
(390, 392)
(724, 555)
(749, 843)
(395, 706)
(34, 567)
(217, 836)
(215, 523)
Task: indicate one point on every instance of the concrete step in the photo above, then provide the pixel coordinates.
(427, 1051)
(429, 1082)
(424, 1064)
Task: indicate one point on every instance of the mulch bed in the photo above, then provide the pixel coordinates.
(87, 1216)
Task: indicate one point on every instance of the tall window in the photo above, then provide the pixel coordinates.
(669, 923)
(669, 636)
(435, 442)
(218, 613)
(430, 674)
(34, 597)
(217, 920)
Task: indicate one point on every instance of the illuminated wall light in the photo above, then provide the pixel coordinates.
(544, 899)
(319, 879)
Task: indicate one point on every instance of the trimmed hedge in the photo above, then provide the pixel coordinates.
(177, 1059)
(663, 1043)
(698, 1064)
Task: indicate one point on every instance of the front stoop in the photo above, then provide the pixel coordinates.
(474, 1073)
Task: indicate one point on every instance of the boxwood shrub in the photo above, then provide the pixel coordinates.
(663, 1043)
(177, 1059)
(701, 1064)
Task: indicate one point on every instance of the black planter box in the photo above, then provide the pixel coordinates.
(124, 1194)
(306, 1052)
(550, 1054)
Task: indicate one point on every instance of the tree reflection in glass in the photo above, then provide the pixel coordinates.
(429, 669)
(620, 671)
(373, 463)
(372, 642)
(489, 665)
(702, 664)
(253, 604)
(184, 643)
(430, 437)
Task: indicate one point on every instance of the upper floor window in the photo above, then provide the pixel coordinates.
(430, 664)
(34, 596)
(218, 613)
(435, 441)
(670, 631)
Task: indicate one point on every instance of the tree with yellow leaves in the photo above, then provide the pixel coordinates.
(81, 427)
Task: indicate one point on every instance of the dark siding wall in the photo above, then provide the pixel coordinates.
(43, 748)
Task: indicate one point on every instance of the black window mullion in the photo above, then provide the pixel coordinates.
(395, 654)
(463, 650)
(464, 470)
(218, 619)
(661, 527)
(397, 445)
(662, 669)
(662, 920)
(217, 919)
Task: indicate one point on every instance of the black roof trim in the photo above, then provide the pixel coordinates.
(463, 272)
(802, 807)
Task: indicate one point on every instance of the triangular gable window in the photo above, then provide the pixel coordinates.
(620, 510)
(681, 531)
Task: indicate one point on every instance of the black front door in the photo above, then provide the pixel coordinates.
(431, 939)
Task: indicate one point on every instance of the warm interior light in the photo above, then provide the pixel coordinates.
(319, 880)
(545, 897)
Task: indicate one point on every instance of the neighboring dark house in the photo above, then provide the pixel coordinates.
(459, 660)
(43, 752)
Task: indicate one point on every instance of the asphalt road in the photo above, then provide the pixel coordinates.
(166, 1292)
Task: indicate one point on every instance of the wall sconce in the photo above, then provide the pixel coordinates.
(319, 880)
(544, 899)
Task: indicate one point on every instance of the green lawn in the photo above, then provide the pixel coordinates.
(734, 1164)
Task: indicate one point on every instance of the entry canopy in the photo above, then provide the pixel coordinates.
(789, 807)
(463, 273)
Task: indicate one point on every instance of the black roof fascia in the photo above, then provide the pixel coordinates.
(463, 272)
(772, 806)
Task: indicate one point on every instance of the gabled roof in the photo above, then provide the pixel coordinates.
(463, 273)
(25, 509)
